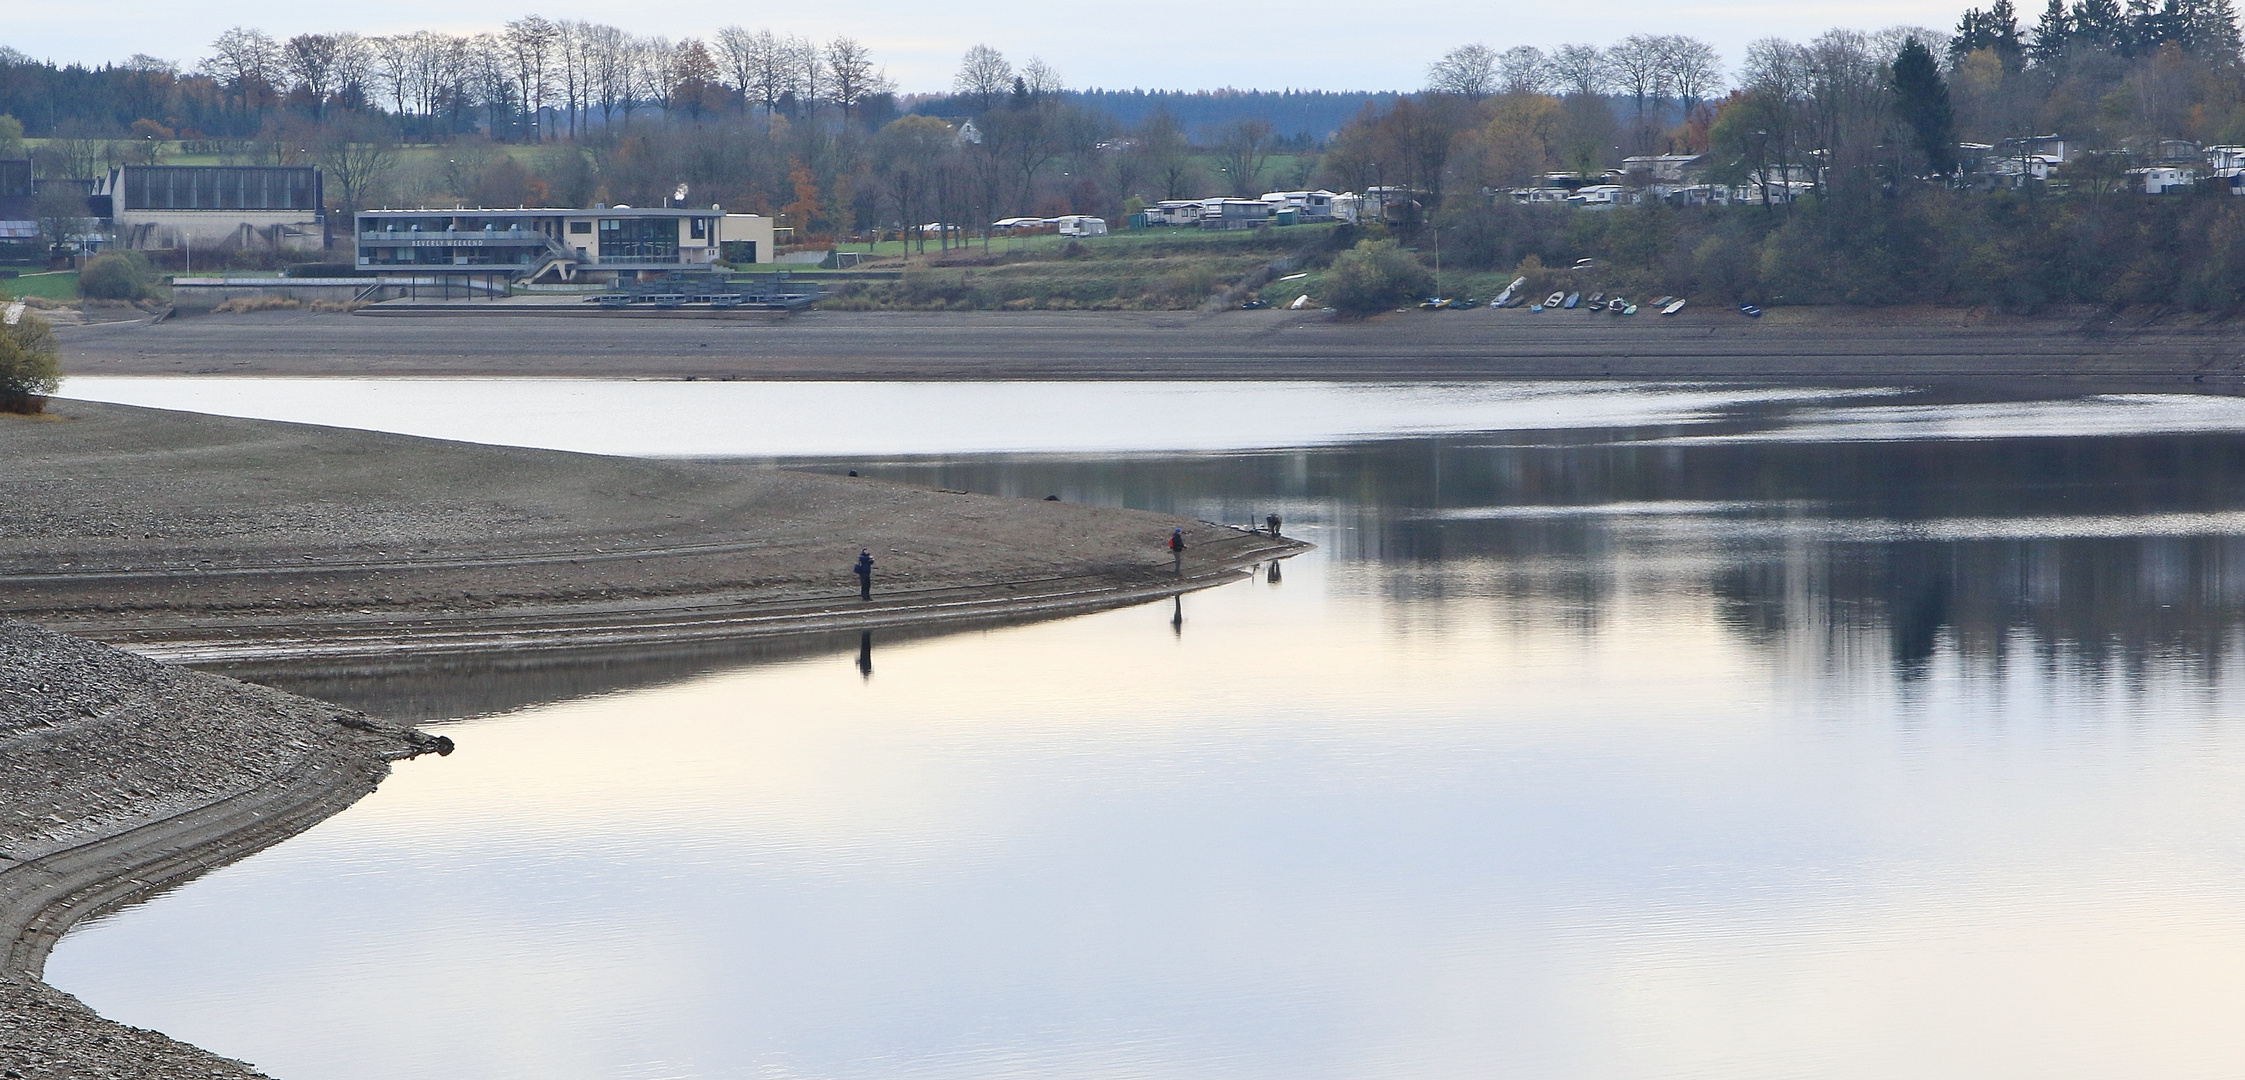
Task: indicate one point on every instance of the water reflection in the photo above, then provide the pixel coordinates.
(1585, 752)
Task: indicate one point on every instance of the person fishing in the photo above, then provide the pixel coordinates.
(864, 572)
(1177, 550)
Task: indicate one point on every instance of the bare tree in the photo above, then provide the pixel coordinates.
(1580, 70)
(770, 74)
(807, 70)
(357, 154)
(531, 42)
(608, 70)
(1040, 79)
(984, 75)
(309, 60)
(245, 61)
(849, 70)
(1522, 69)
(1690, 67)
(1244, 149)
(573, 72)
(1469, 71)
(1639, 66)
(653, 63)
(393, 69)
(737, 56)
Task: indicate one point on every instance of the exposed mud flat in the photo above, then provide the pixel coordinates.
(1703, 342)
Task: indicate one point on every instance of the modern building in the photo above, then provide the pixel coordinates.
(607, 244)
(273, 207)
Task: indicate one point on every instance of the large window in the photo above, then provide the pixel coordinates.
(639, 239)
(215, 187)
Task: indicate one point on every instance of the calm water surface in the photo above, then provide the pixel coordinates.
(1775, 734)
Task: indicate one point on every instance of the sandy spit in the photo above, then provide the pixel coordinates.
(202, 538)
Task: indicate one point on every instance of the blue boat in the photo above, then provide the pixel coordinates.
(1750, 311)
(1572, 300)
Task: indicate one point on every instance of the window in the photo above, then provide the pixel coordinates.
(639, 239)
(579, 228)
(701, 228)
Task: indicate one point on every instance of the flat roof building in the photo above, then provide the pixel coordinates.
(216, 206)
(559, 245)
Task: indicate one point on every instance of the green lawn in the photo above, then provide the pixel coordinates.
(62, 285)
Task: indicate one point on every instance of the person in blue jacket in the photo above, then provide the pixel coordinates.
(864, 572)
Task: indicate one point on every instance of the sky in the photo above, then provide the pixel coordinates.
(1165, 44)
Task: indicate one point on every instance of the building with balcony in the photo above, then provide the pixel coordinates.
(604, 244)
(276, 207)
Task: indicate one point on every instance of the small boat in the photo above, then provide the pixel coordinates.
(1555, 299)
(1616, 305)
(1469, 303)
(1750, 311)
(1630, 310)
(1597, 298)
(1662, 301)
(1504, 299)
(1538, 307)
(1572, 300)
(1299, 303)
(1673, 307)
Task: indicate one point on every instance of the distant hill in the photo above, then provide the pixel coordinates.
(1304, 117)
(1297, 114)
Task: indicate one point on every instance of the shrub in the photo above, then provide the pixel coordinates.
(29, 369)
(119, 275)
(1375, 275)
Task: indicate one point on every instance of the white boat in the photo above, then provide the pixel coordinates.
(1673, 308)
(1630, 310)
(1504, 299)
(1554, 300)
(1299, 303)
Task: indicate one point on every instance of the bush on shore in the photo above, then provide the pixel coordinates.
(1374, 276)
(29, 368)
(119, 275)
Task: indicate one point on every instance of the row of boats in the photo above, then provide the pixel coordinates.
(1569, 301)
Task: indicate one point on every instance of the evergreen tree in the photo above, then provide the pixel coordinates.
(2098, 24)
(1996, 28)
(2052, 34)
(1921, 102)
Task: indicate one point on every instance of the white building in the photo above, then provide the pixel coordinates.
(1080, 225)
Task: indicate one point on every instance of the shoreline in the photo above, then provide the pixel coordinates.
(190, 537)
(1836, 345)
(125, 778)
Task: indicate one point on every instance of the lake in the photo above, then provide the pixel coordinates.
(1611, 730)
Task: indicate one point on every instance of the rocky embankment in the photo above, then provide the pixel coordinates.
(121, 777)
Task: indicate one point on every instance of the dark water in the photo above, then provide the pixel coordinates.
(1840, 738)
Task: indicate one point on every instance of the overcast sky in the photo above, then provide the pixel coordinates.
(1165, 44)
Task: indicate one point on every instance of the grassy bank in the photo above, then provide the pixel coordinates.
(1143, 270)
(61, 286)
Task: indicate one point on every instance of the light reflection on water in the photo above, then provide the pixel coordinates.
(1585, 754)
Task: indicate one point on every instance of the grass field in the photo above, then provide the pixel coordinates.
(1157, 269)
(61, 286)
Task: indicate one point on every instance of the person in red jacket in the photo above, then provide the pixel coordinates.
(1177, 550)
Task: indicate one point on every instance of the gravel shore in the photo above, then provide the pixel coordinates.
(121, 777)
(1704, 342)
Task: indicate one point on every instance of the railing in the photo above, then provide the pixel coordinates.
(406, 235)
